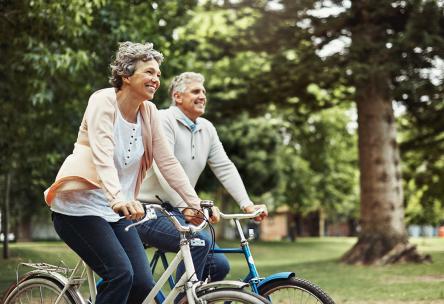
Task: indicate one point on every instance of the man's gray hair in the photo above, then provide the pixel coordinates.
(180, 83)
(127, 56)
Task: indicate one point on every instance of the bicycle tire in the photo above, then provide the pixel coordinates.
(101, 287)
(294, 290)
(230, 295)
(43, 289)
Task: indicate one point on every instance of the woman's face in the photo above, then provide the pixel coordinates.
(146, 79)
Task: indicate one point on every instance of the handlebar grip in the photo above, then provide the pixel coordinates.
(207, 204)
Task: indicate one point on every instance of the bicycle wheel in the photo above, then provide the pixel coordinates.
(102, 285)
(228, 295)
(294, 290)
(39, 290)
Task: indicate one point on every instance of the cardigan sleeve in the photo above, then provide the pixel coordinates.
(169, 166)
(100, 114)
(167, 123)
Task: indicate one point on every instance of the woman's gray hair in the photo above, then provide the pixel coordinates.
(127, 56)
(180, 82)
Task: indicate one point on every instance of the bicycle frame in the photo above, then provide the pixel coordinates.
(188, 281)
(253, 278)
(190, 284)
(68, 281)
(82, 272)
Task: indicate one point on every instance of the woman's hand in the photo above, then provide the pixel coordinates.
(132, 210)
(193, 216)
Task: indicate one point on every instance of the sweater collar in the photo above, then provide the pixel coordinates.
(183, 119)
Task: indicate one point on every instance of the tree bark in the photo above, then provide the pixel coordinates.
(383, 238)
(5, 217)
(322, 218)
(24, 229)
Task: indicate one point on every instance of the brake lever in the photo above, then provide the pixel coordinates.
(150, 214)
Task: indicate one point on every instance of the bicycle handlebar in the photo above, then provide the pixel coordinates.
(241, 216)
(150, 214)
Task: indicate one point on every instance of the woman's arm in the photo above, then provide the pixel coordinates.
(169, 166)
(100, 115)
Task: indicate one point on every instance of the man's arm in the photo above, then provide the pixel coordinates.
(226, 171)
(229, 176)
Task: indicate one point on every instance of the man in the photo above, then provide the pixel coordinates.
(195, 143)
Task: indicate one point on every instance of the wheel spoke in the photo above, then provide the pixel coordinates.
(38, 291)
(295, 291)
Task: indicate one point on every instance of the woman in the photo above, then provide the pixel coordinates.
(119, 137)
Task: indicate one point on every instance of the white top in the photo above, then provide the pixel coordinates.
(194, 149)
(127, 159)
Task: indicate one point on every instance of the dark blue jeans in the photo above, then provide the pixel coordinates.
(162, 234)
(114, 254)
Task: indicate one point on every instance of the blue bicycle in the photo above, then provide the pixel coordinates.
(282, 287)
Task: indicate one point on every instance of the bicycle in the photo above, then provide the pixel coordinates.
(282, 287)
(52, 284)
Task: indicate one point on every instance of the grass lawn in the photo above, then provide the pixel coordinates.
(310, 258)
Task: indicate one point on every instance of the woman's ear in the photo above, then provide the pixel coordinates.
(125, 79)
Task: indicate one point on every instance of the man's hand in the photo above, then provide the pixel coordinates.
(132, 210)
(253, 208)
(193, 216)
(215, 217)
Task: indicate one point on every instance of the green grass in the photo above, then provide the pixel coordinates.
(310, 258)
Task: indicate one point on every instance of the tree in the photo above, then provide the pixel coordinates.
(300, 173)
(380, 32)
(309, 168)
(56, 56)
(40, 60)
(386, 47)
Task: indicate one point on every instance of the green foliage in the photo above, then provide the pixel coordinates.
(294, 146)
(270, 145)
(306, 167)
(56, 56)
(424, 184)
(392, 47)
(43, 63)
(330, 146)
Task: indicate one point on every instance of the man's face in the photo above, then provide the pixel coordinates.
(192, 102)
(146, 79)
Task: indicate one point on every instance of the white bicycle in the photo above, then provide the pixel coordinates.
(60, 285)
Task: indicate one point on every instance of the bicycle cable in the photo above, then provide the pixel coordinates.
(212, 239)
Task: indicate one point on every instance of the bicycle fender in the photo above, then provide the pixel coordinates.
(54, 276)
(223, 284)
(275, 277)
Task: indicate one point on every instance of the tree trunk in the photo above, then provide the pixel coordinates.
(322, 218)
(5, 216)
(24, 229)
(383, 238)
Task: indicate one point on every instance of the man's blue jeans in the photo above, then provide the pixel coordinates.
(114, 254)
(162, 234)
